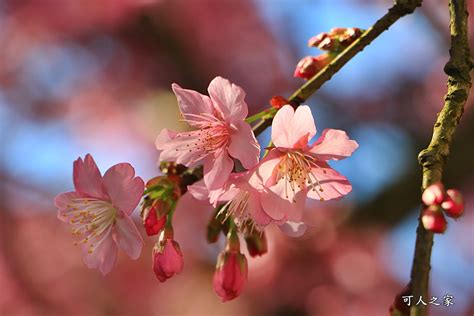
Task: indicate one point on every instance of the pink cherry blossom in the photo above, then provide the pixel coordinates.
(221, 132)
(99, 210)
(167, 259)
(294, 169)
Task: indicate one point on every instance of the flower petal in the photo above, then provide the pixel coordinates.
(127, 237)
(125, 190)
(293, 129)
(334, 185)
(273, 205)
(244, 146)
(181, 148)
(217, 170)
(103, 257)
(87, 178)
(266, 170)
(256, 211)
(228, 99)
(293, 229)
(192, 102)
(333, 144)
(62, 202)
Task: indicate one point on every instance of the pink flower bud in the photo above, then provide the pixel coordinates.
(167, 259)
(278, 102)
(433, 220)
(453, 204)
(257, 244)
(434, 194)
(231, 275)
(316, 40)
(153, 224)
(310, 66)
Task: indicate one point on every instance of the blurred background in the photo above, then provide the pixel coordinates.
(94, 76)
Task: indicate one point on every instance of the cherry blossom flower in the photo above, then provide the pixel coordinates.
(99, 210)
(221, 132)
(294, 169)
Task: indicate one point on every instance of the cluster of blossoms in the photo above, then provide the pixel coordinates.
(437, 201)
(332, 42)
(219, 162)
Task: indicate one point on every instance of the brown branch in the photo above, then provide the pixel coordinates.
(432, 159)
(398, 10)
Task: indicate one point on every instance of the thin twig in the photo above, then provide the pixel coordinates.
(433, 158)
(398, 10)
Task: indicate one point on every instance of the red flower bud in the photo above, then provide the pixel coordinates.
(453, 204)
(350, 35)
(278, 102)
(310, 66)
(152, 223)
(433, 220)
(257, 244)
(434, 194)
(231, 275)
(316, 40)
(327, 44)
(167, 259)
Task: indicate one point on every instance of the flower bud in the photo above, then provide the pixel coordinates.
(256, 244)
(231, 275)
(316, 40)
(153, 224)
(167, 259)
(434, 194)
(350, 35)
(453, 204)
(433, 220)
(310, 66)
(278, 102)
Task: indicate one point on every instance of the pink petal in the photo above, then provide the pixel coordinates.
(228, 99)
(256, 211)
(334, 185)
(192, 102)
(333, 144)
(164, 137)
(125, 190)
(127, 237)
(243, 145)
(87, 178)
(61, 201)
(181, 149)
(199, 191)
(293, 129)
(217, 170)
(273, 205)
(293, 229)
(104, 256)
(266, 170)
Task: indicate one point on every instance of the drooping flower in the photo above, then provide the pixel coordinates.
(294, 169)
(231, 274)
(99, 210)
(221, 132)
(167, 257)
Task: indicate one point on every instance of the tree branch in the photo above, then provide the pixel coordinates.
(432, 159)
(398, 10)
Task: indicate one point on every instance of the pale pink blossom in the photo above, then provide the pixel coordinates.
(434, 194)
(221, 132)
(294, 169)
(99, 210)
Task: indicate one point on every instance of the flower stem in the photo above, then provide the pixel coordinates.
(265, 113)
(432, 159)
(398, 10)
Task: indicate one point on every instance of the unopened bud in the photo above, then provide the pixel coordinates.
(278, 102)
(453, 204)
(434, 194)
(433, 220)
(167, 259)
(350, 35)
(316, 40)
(310, 66)
(256, 244)
(231, 275)
(153, 224)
